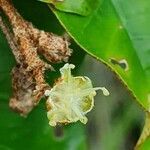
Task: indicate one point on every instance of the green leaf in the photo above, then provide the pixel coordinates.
(137, 24)
(103, 35)
(144, 140)
(81, 7)
(145, 145)
(33, 132)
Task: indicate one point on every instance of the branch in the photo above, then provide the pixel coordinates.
(26, 42)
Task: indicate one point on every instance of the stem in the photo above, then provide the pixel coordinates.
(14, 17)
(9, 36)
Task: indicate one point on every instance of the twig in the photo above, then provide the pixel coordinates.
(26, 41)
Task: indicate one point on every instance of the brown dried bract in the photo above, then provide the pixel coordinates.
(26, 42)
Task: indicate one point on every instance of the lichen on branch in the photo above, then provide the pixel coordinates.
(26, 43)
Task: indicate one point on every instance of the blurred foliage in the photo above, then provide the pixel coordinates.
(116, 121)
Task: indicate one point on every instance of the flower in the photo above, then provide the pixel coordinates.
(71, 98)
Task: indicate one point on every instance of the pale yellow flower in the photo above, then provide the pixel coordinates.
(71, 98)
